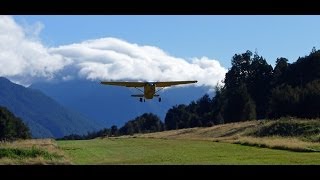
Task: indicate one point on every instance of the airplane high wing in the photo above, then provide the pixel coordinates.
(172, 83)
(126, 84)
(142, 84)
(149, 87)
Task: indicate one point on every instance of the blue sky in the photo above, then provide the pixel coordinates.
(146, 48)
(216, 37)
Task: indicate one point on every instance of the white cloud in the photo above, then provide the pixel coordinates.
(67, 78)
(24, 58)
(97, 59)
(115, 59)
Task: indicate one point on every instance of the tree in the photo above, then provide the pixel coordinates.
(127, 129)
(204, 105)
(258, 83)
(204, 108)
(239, 71)
(218, 103)
(145, 123)
(310, 100)
(12, 127)
(177, 117)
(279, 71)
(150, 123)
(239, 106)
(194, 121)
(22, 131)
(284, 101)
(114, 130)
(314, 50)
(304, 70)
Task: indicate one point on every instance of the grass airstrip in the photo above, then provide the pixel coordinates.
(252, 142)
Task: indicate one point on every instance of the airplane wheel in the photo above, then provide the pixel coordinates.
(159, 99)
(144, 100)
(140, 99)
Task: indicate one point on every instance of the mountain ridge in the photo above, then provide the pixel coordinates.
(44, 116)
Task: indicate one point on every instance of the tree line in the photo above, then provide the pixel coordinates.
(253, 89)
(146, 123)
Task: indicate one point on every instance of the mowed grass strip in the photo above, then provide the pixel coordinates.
(177, 151)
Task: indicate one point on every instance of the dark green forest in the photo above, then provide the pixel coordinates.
(12, 127)
(252, 89)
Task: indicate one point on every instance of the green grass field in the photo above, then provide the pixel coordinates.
(177, 151)
(284, 141)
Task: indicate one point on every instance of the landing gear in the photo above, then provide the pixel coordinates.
(144, 100)
(159, 99)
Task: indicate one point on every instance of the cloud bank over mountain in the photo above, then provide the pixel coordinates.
(25, 59)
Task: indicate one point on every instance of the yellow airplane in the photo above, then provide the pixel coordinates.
(149, 87)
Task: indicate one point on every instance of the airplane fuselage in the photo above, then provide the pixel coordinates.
(149, 90)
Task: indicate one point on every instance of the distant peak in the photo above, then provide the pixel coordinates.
(7, 82)
(3, 79)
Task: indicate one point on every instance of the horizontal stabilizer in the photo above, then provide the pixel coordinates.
(137, 95)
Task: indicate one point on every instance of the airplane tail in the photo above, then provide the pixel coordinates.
(137, 95)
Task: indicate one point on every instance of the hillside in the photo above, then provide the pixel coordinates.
(288, 134)
(44, 116)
